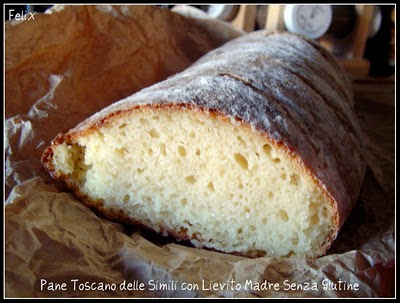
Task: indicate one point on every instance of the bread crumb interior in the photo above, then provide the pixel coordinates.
(221, 183)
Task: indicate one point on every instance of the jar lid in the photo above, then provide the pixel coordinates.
(376, 22)
(222, 12)
(312, 21)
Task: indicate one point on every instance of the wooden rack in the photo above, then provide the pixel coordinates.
(353, 60)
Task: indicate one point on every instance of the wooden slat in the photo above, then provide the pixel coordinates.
(355, 67)
(362, 27)
(245, 18)
(274, 17)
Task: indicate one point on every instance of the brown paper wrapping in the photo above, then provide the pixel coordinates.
(79, 60)
(62, 67)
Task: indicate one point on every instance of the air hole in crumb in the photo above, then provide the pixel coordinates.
(190, 179)
(221, 172)
(257, 180)
(150, 151)
(156, 117)
(283, 176)
(197, 152)
(252, 228)
(239, 231)
(270, 195)
(247, 210)
(210, 186)
(267, 149)
(315, 219)
(258, 155)
(290, 254)
(242, 161)
(264, 221)
(126, 198)
(294, 179)
(163, 150)
(295, 240)
(240, 185)
(324, 212)
(182, 151)
(283, 215)
(121, 151)
(276, 160)
(313, 207)
(139, 170)
(188, 223)
(169, 117)
(242, 142)
(123, 125)
(192, 134)
(143, 121)
(153, 133)
(236, 203)
(184, 202)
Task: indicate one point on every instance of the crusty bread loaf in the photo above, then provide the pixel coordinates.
(254, 150)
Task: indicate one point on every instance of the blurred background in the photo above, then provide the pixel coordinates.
(362, 37)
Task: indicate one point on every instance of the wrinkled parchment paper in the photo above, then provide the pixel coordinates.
(56, 247)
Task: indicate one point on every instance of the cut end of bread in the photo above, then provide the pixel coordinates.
(203, 177)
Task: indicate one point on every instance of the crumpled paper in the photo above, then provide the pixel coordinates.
(57, 247)
(62, 67)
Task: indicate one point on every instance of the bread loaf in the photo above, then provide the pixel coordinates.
(253, 150)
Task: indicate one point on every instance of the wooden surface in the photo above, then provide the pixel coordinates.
(377, 90)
